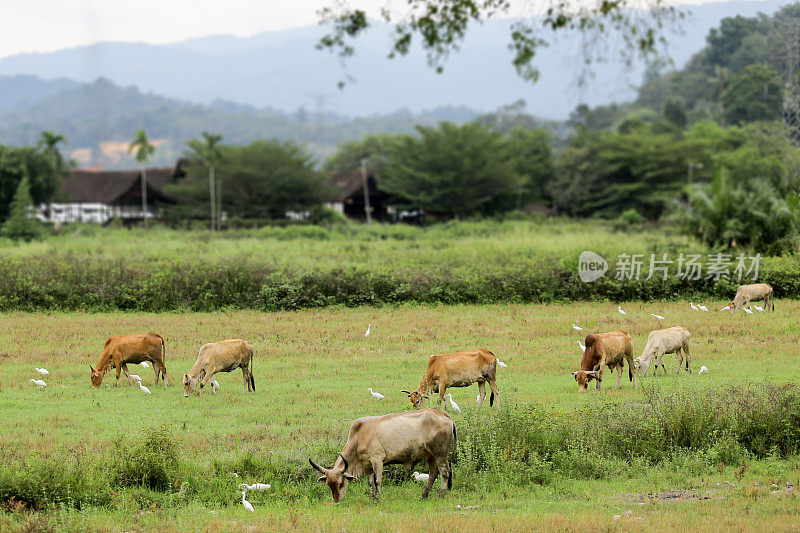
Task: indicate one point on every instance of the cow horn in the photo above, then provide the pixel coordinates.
(406, 391)
(574, 373)
(320, 469)
(91, 367)
(346, 464)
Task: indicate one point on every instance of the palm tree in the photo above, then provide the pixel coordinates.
(48, 143)
(208, 154)
(144, 150)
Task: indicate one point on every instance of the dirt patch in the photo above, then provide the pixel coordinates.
(670, 496)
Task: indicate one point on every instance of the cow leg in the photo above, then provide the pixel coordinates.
(119, 371)
(619, 375)
(377, 472)
(443, 467)
(127, 374)
(246, 377)
(206, 379)
(482, 389)
(679, 355)
(442, 390)
(688, 358)
(433, 473)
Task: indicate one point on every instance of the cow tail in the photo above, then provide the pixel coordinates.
(252, 379)
(491, 399)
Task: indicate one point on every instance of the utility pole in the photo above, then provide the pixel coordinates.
(365, 185)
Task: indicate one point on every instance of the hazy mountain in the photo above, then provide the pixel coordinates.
(21, 90)
(283, 71)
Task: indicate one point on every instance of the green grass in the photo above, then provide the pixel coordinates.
(312, 369)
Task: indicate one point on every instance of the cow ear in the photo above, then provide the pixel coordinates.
(321, 479)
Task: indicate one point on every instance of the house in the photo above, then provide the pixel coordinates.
(349, 195)
(99, 196)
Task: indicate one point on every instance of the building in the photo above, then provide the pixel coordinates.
(100, 196)
(349, 196)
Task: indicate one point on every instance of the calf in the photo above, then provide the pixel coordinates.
(222, 356)
(123, 349)
(753, 293)
(400, 438)
(663, 341)
(605, 349)
(459, 369)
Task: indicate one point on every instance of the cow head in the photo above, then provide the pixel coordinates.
(335, 477)
(734, 306)
(189, 384)
(583, 377)
(641, 365)
(96, 376)
(416, 398)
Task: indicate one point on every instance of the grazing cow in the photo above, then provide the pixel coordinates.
(663, 341)
(752, 293)
(610, 349)
(400, 438)
(123, 349)
(459, 369)
(222, 356)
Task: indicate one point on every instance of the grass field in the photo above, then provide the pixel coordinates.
(312, 370)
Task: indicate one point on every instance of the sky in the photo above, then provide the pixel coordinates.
(48, 25)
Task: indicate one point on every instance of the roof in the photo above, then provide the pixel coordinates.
(109, 186)
(347, 184)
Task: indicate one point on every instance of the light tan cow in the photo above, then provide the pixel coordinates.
(605, 349)
(663, 341)
(222, 356)
(753, 293)
(400, 438)
(123, 349)
(459, 369)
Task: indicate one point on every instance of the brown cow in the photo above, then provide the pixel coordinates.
(605, 349)
(222, 356)
(753, 293)
(399, 438)
(123, 349)
(459, 369)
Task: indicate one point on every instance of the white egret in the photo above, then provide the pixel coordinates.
(377, 395)
(748, 310)
(577, 328)
(759, 309)
(453, 404)
(369, 328)
(703, 369)
(583, 347)
(694, 307)
(255, 486)
(703, 308)
(502, 364)
(420, 477)
(247, 504)
(657, 316)
(478, 399)
(39, 382)
(619, 308)
(144, 389)
(725, 308)
(214, 385)
(42, 371)
(144, 364)
(135, 378)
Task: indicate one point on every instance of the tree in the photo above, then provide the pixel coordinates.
(20, 225)
(17, 163)
(530, 149)
(206, 152)
(441, 25)
(754, 93)
(144, 151)
(265, 179)
(454, 171)
(375, 148)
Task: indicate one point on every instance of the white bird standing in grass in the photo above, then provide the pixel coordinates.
(583, 347)
(502, 364)
(577, 328)
(703, 308)
(759, 309)
(725, 308)
(136, 378)
(144, 364)
(377, 395)
(369, 328)
(144, 389)
(453, 404)
(619, 308)
(255, 486)
(694, 307)
(657, 316)
(423, 478)
(214, 385)
(478, 399)
(703, 369)
(39, 382)
(42, 371)
(748, 310)
(247, 504)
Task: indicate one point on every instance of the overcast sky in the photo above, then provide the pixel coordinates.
(47, 25)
